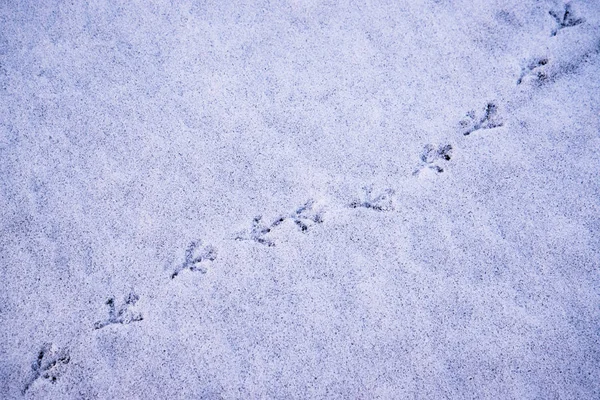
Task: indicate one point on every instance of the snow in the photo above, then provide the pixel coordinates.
(425, 173)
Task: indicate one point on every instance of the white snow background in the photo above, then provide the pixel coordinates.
(140, 140)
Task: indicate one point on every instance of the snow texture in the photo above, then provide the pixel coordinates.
(293, 199)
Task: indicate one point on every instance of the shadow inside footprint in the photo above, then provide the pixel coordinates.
(431, 156)
(489, 119)
(564, 19)
(382, 202)
(121, 315)
(195, 257)
(49, 365)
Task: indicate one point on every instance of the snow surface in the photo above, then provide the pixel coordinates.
(300, 199)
